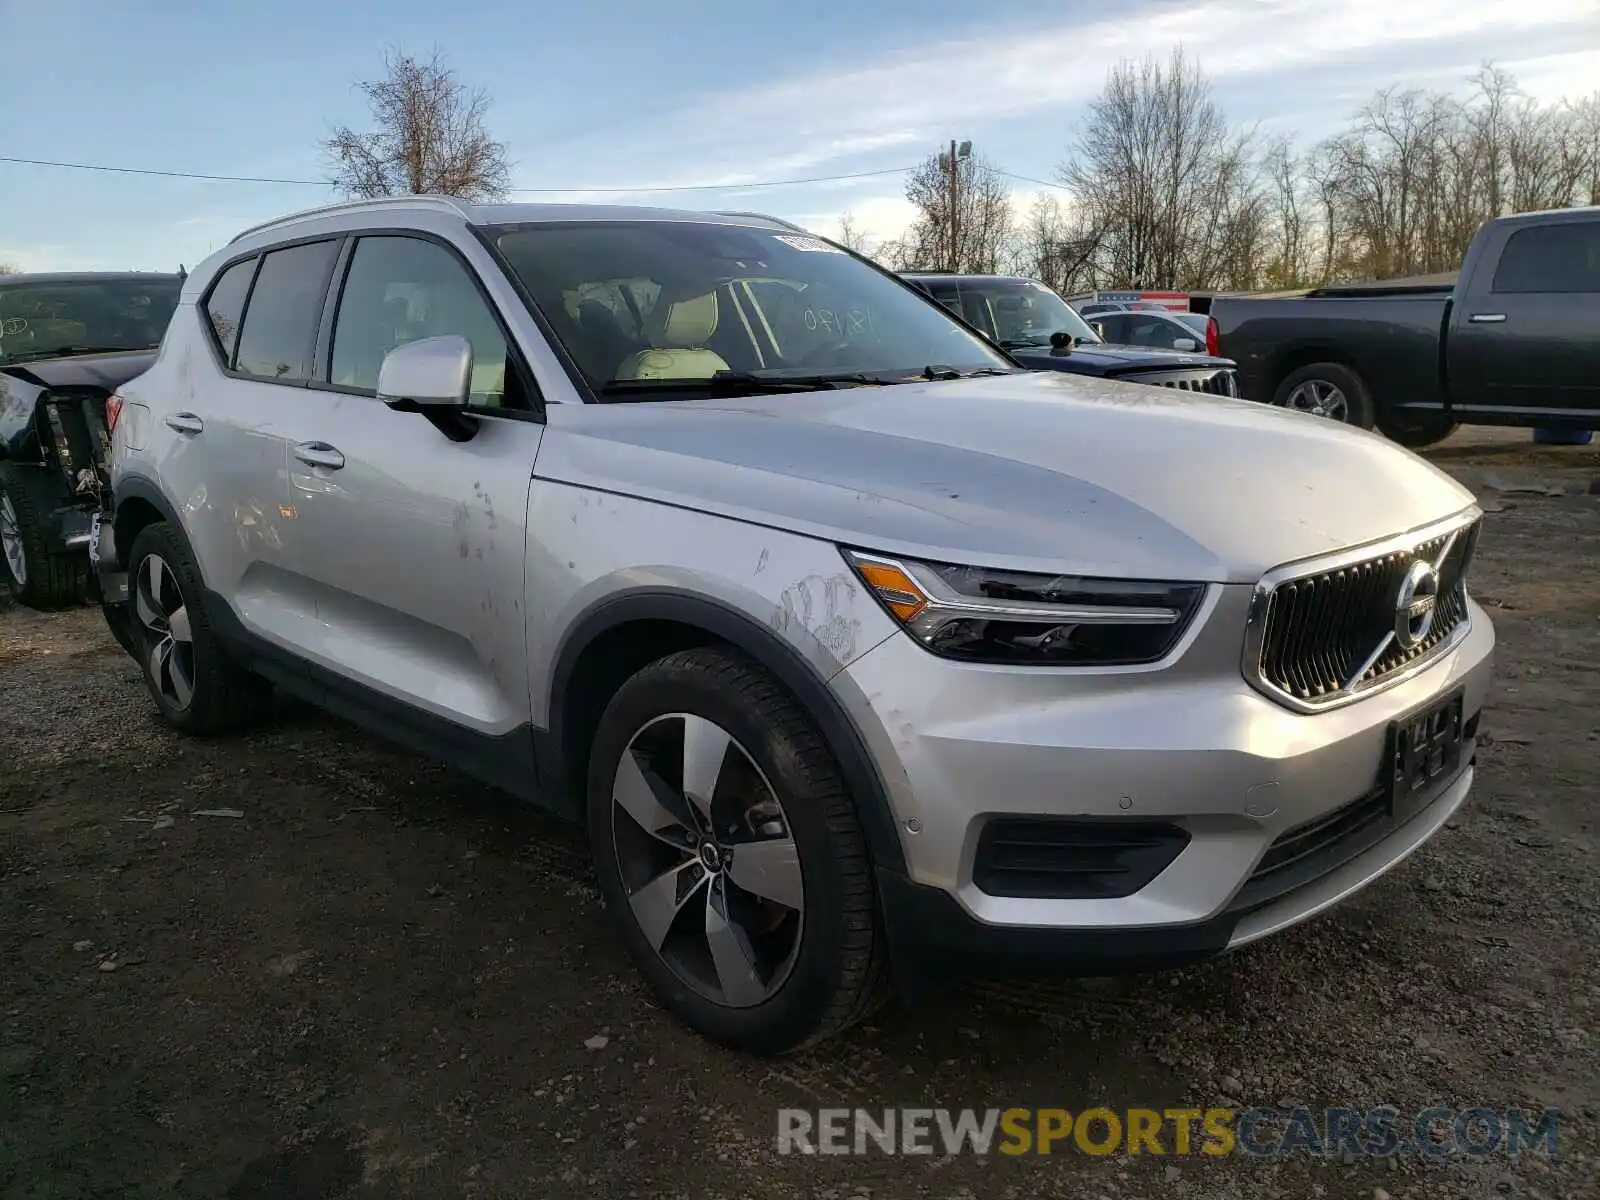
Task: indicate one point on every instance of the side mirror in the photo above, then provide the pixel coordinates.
(1062, 343)
(1187, 345)
(433, 373)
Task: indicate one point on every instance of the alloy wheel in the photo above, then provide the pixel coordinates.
(168, 640)
(11, 541)
(1319, 398)
(707, 859)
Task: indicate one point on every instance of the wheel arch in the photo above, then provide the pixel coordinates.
(1311, 354)
(623, 633)
(139, 503)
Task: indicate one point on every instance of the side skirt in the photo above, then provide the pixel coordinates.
(506, 761)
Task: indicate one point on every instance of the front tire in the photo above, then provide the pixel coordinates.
(1330, 390)
(731, 855)
(197, 686)
(40, 575)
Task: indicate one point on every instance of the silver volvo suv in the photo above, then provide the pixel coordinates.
(864, 655)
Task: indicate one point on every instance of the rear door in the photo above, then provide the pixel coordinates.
(1525, 332)
(222, 448)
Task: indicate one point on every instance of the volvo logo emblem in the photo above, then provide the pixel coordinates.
(1415, 604)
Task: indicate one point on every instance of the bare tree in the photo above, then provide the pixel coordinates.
(1169, 189)
(852, 238)
(1403, 189)
(978, 202)
(1055, 246)
(1584, 119)
(7, 269)
(429, 137)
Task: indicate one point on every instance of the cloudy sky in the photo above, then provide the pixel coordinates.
(606, 95)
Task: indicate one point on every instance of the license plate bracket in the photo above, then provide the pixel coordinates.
(1424, 752)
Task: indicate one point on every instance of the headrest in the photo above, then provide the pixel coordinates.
(686, 323)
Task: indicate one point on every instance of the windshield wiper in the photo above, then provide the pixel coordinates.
(68, 351)
(738, 383)
(937, 371)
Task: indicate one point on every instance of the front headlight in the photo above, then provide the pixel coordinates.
(1009, 617)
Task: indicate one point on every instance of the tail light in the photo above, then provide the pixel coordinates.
(1213, 338)
(113, 411)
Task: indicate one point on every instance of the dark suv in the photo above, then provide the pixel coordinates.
(67, 342)
(1023, 317)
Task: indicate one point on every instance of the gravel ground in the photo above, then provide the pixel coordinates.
(368, 976)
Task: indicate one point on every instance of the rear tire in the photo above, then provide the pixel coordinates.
(762, 850)
(1329, 390)
(196, 684)
(40, 574)
(1414, 430)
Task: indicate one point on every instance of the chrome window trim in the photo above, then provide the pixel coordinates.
(1255, 624)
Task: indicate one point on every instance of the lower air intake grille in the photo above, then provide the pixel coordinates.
(1066, 859)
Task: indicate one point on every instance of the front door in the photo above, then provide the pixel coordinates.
(409, 547)
(1525, 336)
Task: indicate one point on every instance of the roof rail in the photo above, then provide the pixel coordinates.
(765, 217)
(445, 204)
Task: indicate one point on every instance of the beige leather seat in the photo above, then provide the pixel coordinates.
(677, 333)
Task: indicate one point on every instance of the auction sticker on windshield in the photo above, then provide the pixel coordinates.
(810, 244)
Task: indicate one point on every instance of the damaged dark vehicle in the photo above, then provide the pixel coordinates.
(67, 342)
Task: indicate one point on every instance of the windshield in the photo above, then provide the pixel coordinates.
(653, 302)
(1015, 312)
(1195, 321)
(38, 320)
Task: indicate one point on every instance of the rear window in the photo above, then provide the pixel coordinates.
(225, 305)
(41, 319)
(1561, 258)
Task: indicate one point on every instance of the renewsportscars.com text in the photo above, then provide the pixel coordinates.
(1263, 1132)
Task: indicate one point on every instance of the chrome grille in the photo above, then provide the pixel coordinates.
(1327, 636)
(1205, 381)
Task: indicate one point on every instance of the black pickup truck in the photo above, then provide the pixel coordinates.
(1514, 341)
(67, 342)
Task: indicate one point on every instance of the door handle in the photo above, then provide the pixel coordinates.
(184, 422)
(1487, 318)
(319, 454)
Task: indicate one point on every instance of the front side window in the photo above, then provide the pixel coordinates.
(403, 289)
(665, 301)
(1563, 258)
(44, 320)
(279, 335)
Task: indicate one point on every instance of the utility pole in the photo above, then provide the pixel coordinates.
(950, 162)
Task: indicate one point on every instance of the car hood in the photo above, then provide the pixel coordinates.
(104, 371)
(1043, 472)
(1106, 358)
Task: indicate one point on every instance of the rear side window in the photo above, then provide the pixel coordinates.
(1551, 258)
(225, 305)
(1112, 327)
(280, 322)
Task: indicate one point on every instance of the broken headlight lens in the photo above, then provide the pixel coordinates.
(976, 614)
